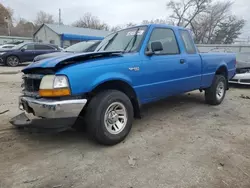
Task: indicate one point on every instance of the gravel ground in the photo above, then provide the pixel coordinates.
(180, 142)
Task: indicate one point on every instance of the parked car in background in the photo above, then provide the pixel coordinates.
(8, 46)
(242, 69)
(25, 52)
(85, 46)
(128, 69)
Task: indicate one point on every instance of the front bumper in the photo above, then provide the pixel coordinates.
(49, 114)
(243, 78)
(1, 61)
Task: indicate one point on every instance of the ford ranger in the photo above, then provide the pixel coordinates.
(107, 88)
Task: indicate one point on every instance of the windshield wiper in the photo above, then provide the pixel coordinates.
(108, 42)
(132, 39)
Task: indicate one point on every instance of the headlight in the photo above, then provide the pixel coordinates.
(1, 53)
(54, 86)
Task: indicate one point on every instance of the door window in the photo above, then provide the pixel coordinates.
(43, 47)
(188, 42)
(28, 47)
(168, 40)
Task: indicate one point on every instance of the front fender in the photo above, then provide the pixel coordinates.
(111, 76)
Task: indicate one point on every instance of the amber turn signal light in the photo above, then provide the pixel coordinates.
(54, 92)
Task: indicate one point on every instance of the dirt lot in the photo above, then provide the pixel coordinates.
(180, 142)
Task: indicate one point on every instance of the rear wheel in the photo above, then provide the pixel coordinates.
(216, 93)
(12, 61)
(109, 117)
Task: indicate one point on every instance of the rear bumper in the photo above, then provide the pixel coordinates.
(241, 79)
(49, 114)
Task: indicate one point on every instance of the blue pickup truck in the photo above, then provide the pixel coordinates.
(107, 88)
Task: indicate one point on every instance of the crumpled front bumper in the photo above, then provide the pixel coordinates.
(49, 114)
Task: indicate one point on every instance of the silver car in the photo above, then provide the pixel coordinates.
(242, 69)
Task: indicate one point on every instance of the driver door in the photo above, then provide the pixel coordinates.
(28, 52)
(166, 69)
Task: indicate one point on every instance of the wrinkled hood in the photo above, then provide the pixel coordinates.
(50, 55)
(68, 59)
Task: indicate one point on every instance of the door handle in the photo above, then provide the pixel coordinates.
(182, 61)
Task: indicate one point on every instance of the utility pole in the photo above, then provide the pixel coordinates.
(60, 19)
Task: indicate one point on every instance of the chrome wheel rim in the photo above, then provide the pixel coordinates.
(13, 61)
(115, 118)
(220, 90)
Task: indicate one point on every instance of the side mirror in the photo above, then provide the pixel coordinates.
(156, 46)
(22, 50)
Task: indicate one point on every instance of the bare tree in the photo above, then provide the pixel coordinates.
(5, 20)
(43, 17)
(185, 11)
(205, 24)
(90, 21)
(23, 28)
(207, 19)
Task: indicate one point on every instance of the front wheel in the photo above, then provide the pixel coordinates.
(12, 61)
(216, 93)
(109, 117)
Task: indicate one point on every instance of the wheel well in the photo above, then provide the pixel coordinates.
(223, 71)
(120, 86)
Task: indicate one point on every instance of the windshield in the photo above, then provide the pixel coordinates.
(128, 39)
(80, 47)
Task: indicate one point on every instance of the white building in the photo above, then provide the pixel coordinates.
(63, 35)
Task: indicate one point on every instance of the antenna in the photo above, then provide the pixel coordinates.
(60, 19)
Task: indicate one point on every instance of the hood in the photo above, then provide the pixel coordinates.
(50, 55)
(6, 50)
(242, 64)
(243, 60)
(68, 59)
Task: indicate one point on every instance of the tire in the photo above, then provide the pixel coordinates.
(12, 61)
(101, 108)
(216, 93)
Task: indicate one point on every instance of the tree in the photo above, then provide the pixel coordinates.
(210, 21)
(228, 30)
(185, 11)
(205, 24)
(43, 17)
(90, 21)
(23, 28)
(5, 20)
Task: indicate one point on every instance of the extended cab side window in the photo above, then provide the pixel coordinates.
(188, 42)
(168, 40)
